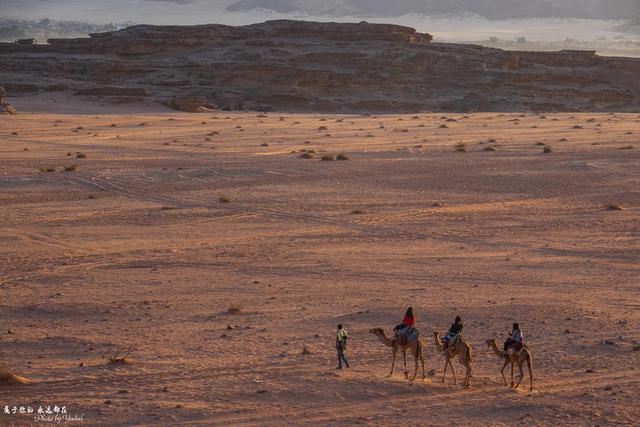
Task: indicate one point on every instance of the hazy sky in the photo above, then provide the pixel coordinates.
(201, 11)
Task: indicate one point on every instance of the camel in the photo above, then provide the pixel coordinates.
(462, 349)
(415, 345)
(514, 358)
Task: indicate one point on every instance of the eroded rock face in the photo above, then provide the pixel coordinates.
(6, 108)
(310, 66)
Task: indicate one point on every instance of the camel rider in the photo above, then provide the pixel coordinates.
(341, 346)
(454, 330)
(515, 338)
(408, 323)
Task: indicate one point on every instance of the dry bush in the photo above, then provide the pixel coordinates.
(47, 169)
(444, 127)
(81, 156)
(323, 128)
(488, 149)
(342, 156)
(628, 147)
(547, 149)
(357, 212)
(234, 308)
(307, 155)
(224, 199)
(118, 359)
(71, 168)
(327, 158)
(461, 148)
(613, 207)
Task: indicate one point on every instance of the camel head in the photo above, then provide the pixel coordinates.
(490, 342)
(377, 331)
(436, 333)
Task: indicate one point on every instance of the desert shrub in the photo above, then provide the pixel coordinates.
(234, 308)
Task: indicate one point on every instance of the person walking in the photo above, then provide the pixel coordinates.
(341, 346)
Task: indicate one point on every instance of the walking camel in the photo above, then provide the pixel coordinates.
(514, 358)
(462, 349)
(416, 345)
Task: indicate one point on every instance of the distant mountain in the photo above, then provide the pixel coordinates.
(494, 9)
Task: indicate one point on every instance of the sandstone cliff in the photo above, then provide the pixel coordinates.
(307, 66)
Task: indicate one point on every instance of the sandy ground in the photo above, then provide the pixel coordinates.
(134, 251)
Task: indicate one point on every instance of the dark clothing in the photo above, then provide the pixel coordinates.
(455, 329)
(508, 343)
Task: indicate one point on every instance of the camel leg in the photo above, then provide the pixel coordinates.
(513, 365)
(530, 367)
(506, 362)
(520, 377)
(393, 362)
(422, 362)
(453, 372)
(467, 378)
(467, 365)
(415, 371)
(404, 356)
(446, 365)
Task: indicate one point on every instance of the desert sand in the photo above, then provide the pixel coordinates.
(205, 247)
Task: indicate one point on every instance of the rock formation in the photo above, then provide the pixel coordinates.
(310, 66)
(5, 108)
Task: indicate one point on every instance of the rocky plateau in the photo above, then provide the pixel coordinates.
(310, 66)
